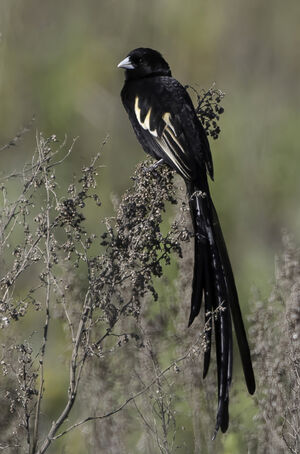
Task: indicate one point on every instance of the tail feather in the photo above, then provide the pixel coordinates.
(208, 296)
(234, 305)
(214, 279)
(198, 284)
(223, 335)
(222, 348)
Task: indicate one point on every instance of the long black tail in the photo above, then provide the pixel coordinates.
(213, 281)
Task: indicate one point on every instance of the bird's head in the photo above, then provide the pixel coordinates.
(143, 62)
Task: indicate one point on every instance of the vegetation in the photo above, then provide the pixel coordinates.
(94, 277)
(117, 354)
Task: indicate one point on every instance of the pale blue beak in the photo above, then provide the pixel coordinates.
(126, 64)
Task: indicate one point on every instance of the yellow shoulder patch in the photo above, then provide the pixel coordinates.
(146, 123)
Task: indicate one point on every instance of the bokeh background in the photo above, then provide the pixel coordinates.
(58, 63)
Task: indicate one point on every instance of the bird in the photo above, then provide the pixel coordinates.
(165, 122)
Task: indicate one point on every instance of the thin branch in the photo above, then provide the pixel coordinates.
(130, 399)
(13, 142)
(47, 304)
(73, 380)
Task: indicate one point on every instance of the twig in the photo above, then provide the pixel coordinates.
(13, 142)
(127, 401)
(73, 380)
(47, 304)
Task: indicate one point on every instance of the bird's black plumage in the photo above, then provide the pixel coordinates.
(165, 123)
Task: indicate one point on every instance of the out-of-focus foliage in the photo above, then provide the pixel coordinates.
(48, 253)
(58, 64)
(278, 362)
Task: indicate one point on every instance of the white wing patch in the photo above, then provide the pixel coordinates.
(146, 123)
(168, 141)
(170, 129)
(170, 152)
(169, 144)
(167, 119)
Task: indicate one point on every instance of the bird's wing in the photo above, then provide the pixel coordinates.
(165, 122)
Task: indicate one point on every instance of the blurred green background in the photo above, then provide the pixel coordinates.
(58, 63)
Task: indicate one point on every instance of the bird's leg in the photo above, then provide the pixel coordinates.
(154, 166)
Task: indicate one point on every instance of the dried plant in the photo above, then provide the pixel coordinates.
(56, 276)
(53, 236)
(276, 330)
(121, 358)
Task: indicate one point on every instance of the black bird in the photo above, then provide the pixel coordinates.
(165, 122)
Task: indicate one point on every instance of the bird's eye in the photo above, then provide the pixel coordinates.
(140, 60)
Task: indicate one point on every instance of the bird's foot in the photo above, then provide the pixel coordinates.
(198, 193)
